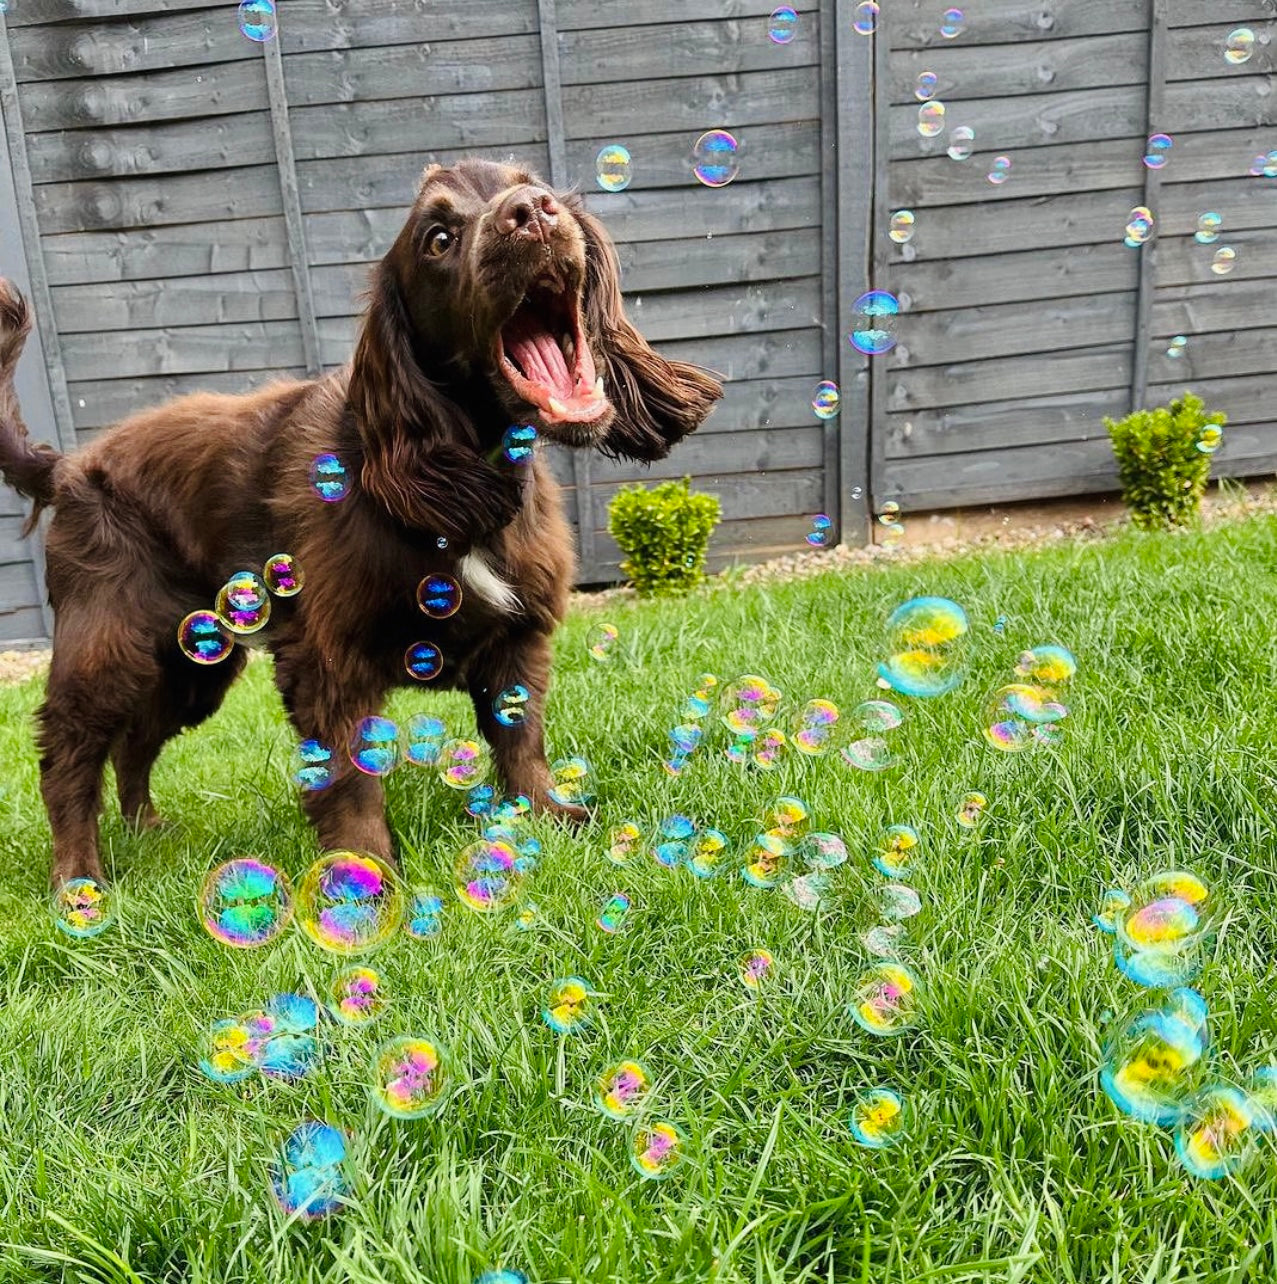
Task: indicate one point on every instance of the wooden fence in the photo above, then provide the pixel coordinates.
(190, 209)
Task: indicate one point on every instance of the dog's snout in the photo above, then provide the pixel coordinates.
(527, 211)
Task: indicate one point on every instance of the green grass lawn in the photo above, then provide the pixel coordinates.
(119, 1161)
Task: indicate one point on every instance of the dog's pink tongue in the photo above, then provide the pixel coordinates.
(541, 358)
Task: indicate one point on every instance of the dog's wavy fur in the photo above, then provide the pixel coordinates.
(156, 513)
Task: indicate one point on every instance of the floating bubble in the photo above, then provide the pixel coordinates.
(766, 861)
(769, 748)
(874, 326)
(1139, 226)
(657, 1148)
(308, 1181)
(971, 810)
(245, 903)
(488, 875)
(293, 1013)
(673, 849)
(788, 816)
(878, 1118)
(756, 969)
(569, 1007)
(227, 1052)
(885, 999)
(1224, 261)
(820, 534)
(1047, 665)
(864, 20)
(707, 854)
(1164, 930)
(410, 1077)
(204, 638)
(624, 842)
(425, 740)
(502, 1276)
(1021, 715)
(952, 24)
(928, 647)
(1210, 439)
(1208, 226)
(615, 910)
(868, 749)
(926, 87)
(1262, 1088)
(685, 738)
(289, 1056)
(699, 703)
(571, 784)
(715, 158)
(425, 915)
(612, 168)
(1000, 624)
(823, 851)
(621, 1090)
(897, 902)
(1113, 905)
(356, 996)
(1239, 46)
(517, 443)
(902, 222)
(808, 891)
(282, 576)
(83, 907)
(243, 604)
(749, 703)
(528, 917)
(374, 746)
(896, 850)
(349, 902)
(601, 642)
(329, 478)
(961, 142)
(1151, 1066)
(511, 706)
(930, 119)
(439, 596)
(462, 764)
(480, 800)
(1177, 346)
(424, 661)
(813, 727)
(257, 19)
(1157, 150)
(825, 401)
(999, 170)
(441, 542)
(783, 25)
(1218, 1135)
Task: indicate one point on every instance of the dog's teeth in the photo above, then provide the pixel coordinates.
(598, 387)
(558, 408)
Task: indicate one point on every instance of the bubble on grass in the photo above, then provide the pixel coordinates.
(675, 833)
(897, 849)
(756, 968)
(517, 443)
(245, 903)
(227, 1052)
(1210, 439)
(685, 737)
(1139, 226)
(503, 1275)
(878, 1118)
(293, 1013)
(783, 25)
(657, 1149)
(1219, 1133)
(826, 400)
(612, 167)
(1000, 624)
(487, 875)
(1157, 150)
(329, 478)
(1224, 261)
(868, 749)
(819, 536)
(356, 996)
(439, 596)
(961, 142)
(621, 1090)
(410, 1077)
(1163, 933)
(1208, 226)
(349, 902)
(788, 816)
(243, 603)
(884, 1000)
(511, 706)
(571, 783)
(931, 119)
(971, 810)
(1238, 46)
(257, 19)
(480, 800)
(999, 170)
(716, 158)
(1113, 905)
(708, 853)
(424, 661)
(874, 316)
(884, 940)
(925, 89)
(769, 748)
(1046, 665)
(1151, 1066)
(203, 638)
(424, 918)
(289, 1056)
(601, 642)
(810, 891)
(749, 703)
(425, 740)
(528, 917)
(623, 842)
(864, 19)
(1262, 1089)
(307, 1180)
(766, 861)
(902, 224)
(83, 907)
(374, 746)
(569, 1006)
(927, 643)
(615, 910)
(462, 764)
(897, 902)
(813, 728)
(1021, 715)
(823, 851)
(701, 701)
(952, 24)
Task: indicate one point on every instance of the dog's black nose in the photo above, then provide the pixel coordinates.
(527, 211)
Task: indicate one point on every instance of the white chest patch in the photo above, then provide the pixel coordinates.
(480, 579)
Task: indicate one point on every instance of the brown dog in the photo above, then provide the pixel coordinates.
(498, 304)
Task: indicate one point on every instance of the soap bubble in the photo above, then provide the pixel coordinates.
(749, 703)
(884, 940)
(289, 1055)
(868, 749)
(601, 642)
(439, 596)
(1224, 261)
(999, 170)
(480, 800)
(715, 158)
(243, 604)
(874, 326)
(896, 851)
(675, 833)
(813, 727)
(83, 907)
(462, 764)
(1113, 905)
(1164, 930)
(823, 851)
(809, 892)
(699, 703)
(204, 638)
(756, 968)
(952, 24)
(517, 442)
(928, 647)
(897, 902)
(657, 1148)
(1021, 715)
(424, 661)
(971, 809)
(769, 747)
(931, 119)
(624, 841)
(787, 817)
(1157, 150)
(621, 1090)
(257, 19)
(902, 223)
(878, 1118)
(307, 1180)
(1151, 1066)
(1177, 346)
(865, 18)
(569, 1006)
(1262, 1087)
(1218, 1134)
(884, 1001)
(488, 875)
(511, 706)
(282, 576)
(374, 746)
(926, 87)
(1047, 665)
(329, 478)
(502, 1276)
(1208, 226)
(245, 903)
(766, 861)
(356, 996)
(612, 167)
(1210, 438)
(349, 902)
(572, 786)
(1139, 226)
(1239, 46)
(227, 1052)
(783, 25)
(410, 1077)
(819, 536)
(825, 402)
(425, 740)
(961, 142)
(707, 854)
(615, 910)
(425, 915)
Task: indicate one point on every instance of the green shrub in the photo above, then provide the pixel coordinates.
(663, 533)
(1160, 464)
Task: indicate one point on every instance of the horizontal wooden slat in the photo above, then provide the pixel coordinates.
(1222, 304)
(742, 495)
(34, 12)
(1181, 260)
(1244, 400)
(998, 22)
(14, 547)
(1215, 355)
(763, 403)
(366, 24)
(22, 627)
(576, 15)
(1191, 13)
(1197, 53)
(718, 455)
(264, 345)
(754, 356)
(17, 587)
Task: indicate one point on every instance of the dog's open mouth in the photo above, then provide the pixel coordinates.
(543, 353)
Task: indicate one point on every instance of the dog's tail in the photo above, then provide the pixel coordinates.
(29, 467)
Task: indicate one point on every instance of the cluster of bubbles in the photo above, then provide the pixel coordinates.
(309, 1179)
(378, 746)
(280, 1040)
(1029, 712)
(241, 608)
(715, 157)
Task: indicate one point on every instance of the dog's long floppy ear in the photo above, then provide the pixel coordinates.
(658, 402)
(420, 461)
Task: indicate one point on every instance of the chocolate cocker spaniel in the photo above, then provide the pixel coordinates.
(499, 304)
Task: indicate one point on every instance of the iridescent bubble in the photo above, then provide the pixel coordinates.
(439, 596)
(1177, 346)
(425, 739)
(783, 25)
(1264, 166)
(1157, 150)
(1113, 905)
(624, 841)
(356, 996)
(878, 1118)
(813, 727)
(502, 1276)
(756, 969)
(673, 849)
(657, 1148)
(245, 903)
(1000, 624)
(952, 24)
(569, 1006)
(1021, 715)
(511, 706)
(809, 892)
(825, 402)
(329, 478)
(243, 604)
(601, 642)
(293, 1013)
(1151, 1066)
(884, 940)
(864, 20)
(749, 703)
(820, 534)
(868, 749)
(425, 915)
(204, 638)
(282, 576)
(823, 851)
(441, 542)
(480, 801)
(999, 170)
(227, 1052)
(1239, 46)
(961, 142)
(928, 647)
(307, 1180)
(528, 917)
(257, 19)
(349, 902)
(1046, 665)
(873, 326)
(374, 746)
(571, 783)
(926, 87)
(83, 907)
(291, 1056)
(517, 443)
(612, 167)
(788, 816)
(621, 1090)
(424, 661)
(685, 737)
(1164, 930)
(766, 861)
(1208, 226)
(896, 851)
(462, 764)
(930, 119)
(488, 875)
(971, 810)
(1139, 226)
(1224, 261)
(885, 999)
(708, 853)
(769, 748)
(902, 222)
(1262, 1087)
(1210, 439)
(699, 703)
(615, 910)
(897, 902)
(410, 1077)
(1218, 1135)
(715, 158)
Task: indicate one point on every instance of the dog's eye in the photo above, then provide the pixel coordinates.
(439, 241)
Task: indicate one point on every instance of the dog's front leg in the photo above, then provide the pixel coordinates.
(518, 749)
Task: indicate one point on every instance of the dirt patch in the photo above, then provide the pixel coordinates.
(18, 666)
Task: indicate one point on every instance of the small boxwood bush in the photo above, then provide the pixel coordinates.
(663, 533)
(1160, 461)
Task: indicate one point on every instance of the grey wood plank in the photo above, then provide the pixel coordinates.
(998, 22)
(1222, 304)
(738, 452)
(750, 404)
(11, 503)
(22, 628)
(1243, 399)
(730, 309)
(356, 24)
(18, 588)
(1182, 261)
(1187, 13)
(189, 350)
(744, 495)
(1245, 203)
(754, 356)
(1238, 101)
(733, 543)
(1197, 53)
(578, 15)
(14, 546)
(1218, 354)
(31, 13)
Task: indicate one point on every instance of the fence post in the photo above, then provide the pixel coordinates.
(285, 163)
(1152, 190)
